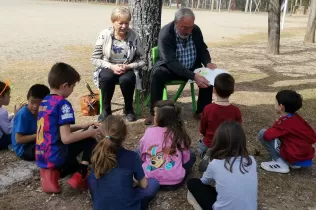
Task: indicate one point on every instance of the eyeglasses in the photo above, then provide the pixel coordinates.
(6, 85)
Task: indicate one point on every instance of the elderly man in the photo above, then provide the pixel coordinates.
(181, 51)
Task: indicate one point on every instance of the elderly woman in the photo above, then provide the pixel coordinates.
(117, 54)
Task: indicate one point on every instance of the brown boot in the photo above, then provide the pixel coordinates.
(149, 120)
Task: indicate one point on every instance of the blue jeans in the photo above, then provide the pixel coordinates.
(202, 148)
(148, 194)
(273, 147)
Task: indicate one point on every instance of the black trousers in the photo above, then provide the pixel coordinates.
(205, 195)
(108, 80)
(71, 164)
(5, 141)
(29, 152)
(161, 75)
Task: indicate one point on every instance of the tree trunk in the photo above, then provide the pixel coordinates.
(198, 4)
(146, 21)
(117, 2)
(192, 6)
(274, 27)
(311, 25)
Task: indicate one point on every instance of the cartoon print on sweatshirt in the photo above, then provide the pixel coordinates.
(160, 158)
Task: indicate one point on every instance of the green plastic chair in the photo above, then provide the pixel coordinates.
(173, 82)
(137, 101)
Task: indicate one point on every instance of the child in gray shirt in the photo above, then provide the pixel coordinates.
(232, 170)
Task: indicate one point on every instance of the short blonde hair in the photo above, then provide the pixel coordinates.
(121, 13)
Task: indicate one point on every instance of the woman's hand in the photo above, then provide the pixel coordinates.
(117, 69)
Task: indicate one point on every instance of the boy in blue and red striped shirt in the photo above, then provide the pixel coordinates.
(57, 143)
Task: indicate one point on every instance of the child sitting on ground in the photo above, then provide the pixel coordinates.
(57, 143)
(233, 170)
(113, 170)
(24, 124)
(215, 114)
(6, 120)
(164, 148)
(290, 140)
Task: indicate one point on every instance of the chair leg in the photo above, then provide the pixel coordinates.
(101, 100)
(147, 100)
(193, 97)
(179, 91)
(165, 94)
(137, 102)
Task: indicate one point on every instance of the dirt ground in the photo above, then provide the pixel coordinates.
(35, 34)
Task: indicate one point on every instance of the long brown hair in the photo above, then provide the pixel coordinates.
(168, 115)
(104, 155)
(230, 142)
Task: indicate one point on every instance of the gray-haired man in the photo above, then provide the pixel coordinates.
(181, 51)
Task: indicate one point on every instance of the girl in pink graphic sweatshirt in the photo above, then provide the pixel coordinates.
(164, 148)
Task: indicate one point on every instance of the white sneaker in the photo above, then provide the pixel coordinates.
(193, 202)
(278, 166)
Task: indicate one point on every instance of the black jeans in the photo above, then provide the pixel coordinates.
(108, 80)
(205, 195)
(161, 75)
(71, 164)
(29, 152)
(5, 141)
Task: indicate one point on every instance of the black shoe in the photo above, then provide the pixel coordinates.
(130, 117)
(103, 116)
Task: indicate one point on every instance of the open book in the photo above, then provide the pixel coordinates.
(210, 74)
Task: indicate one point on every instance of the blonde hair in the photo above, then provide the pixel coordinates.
(104, 155)
(121, 13)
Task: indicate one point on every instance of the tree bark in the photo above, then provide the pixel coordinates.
(311, 25)
(198, 4)
(274, 27)
(146, 21)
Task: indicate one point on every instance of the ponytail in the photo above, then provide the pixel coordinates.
(104, 155)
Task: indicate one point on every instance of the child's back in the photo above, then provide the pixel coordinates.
(158, 163)
(114, 171)
(233, 170)
(218, 112)
(54, 112)
(235, 189)
(213, 116)
(164, 148)
(114, 190)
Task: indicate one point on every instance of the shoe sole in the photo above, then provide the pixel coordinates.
(192, 201)
(282, 171)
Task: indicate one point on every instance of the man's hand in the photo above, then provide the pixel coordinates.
(211, 66)
(201, 81)
(117, 69)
